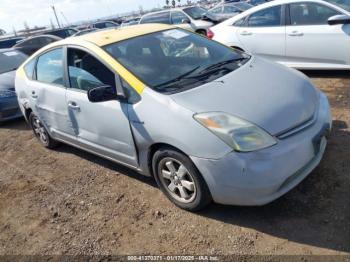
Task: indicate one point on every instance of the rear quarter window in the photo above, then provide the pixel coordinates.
(29, 69)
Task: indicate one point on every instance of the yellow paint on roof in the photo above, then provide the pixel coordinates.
(106, 37)
(94, 42)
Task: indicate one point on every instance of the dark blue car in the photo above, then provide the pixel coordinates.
(10, 60)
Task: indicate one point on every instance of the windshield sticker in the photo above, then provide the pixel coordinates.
(177, 34)
(11, 53)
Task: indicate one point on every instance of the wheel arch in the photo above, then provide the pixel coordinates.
(153, 149)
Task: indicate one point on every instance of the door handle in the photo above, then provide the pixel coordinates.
(74, 106)
(34, 95)
(246, 33)
(296, 33)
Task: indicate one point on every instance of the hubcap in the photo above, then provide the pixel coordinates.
(177, 180)
(39, 130)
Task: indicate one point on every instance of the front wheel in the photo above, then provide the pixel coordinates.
(179, 180)
(41, 133)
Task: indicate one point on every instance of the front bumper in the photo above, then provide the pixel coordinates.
(257, 178)
(9, 109)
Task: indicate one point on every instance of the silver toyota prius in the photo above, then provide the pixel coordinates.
(207, 122)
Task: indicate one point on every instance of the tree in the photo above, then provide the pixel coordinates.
(173, 3)
(179, 1)
(167, 2)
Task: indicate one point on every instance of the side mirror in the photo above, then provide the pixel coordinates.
(339, 20)
(186, 21)
(102, 94)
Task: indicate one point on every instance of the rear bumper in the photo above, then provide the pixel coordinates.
(9, 109)
(258, 178)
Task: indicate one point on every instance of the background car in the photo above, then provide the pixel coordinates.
(62, 33)
(104, 24)
(305, 34)
(130, 22)
(33, 44)
(85, 31)
(9, 42)
(191, 18)
(222, 12)
(10, 61)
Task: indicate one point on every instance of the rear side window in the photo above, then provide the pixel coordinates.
(162, 18)
(50, 67)
(310, 14)
(266, 18)
(29, 69)
(86, 72)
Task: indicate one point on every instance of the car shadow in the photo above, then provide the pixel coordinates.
(314, 213)
(327, 73)
(15, 124)
(115, 167)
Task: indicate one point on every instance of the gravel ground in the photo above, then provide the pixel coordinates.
(67, 201)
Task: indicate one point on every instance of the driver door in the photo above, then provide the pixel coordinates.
(99, 127)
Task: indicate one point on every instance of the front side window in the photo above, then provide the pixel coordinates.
(49, 68)
(310, 14)
(178, 17)
(175, 60)
(162, 18)
(11, 60)
(266, 18)
(86, 72)
(195, 12)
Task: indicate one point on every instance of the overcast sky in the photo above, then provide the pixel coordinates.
(13, 13)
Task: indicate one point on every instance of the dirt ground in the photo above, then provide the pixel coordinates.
(67, 201)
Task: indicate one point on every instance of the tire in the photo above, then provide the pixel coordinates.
(180, 180)
(41, 133)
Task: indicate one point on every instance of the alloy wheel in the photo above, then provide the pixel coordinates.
(177, 180)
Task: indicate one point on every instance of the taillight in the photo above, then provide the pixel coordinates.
(210, 34)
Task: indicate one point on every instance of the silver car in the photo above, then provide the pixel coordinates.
(207, 122)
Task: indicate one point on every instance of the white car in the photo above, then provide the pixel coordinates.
(190, 18)
(304, 34)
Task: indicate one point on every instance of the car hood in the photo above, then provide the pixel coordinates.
(7, 81)
(267, 94)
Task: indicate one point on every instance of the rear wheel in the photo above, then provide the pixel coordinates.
(179, 180)
(41, 133)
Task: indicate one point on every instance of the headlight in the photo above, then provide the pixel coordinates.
(241, 135)
(7, 93)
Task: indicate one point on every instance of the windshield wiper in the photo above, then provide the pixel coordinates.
(226, 62)
(177, 79)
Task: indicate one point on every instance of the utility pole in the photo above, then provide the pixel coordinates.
(54, 10)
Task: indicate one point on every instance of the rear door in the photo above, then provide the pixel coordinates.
(263, 33)
(48, 93)
(103, 127)
(311, 42)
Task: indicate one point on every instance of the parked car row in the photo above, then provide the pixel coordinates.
(305, 34)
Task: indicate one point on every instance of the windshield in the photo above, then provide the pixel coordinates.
(345, 4)
(195, 12)
(11, 60)
(175, 60)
